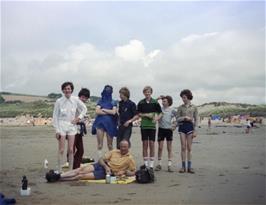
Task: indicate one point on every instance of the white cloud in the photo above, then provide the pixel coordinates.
(224, 66)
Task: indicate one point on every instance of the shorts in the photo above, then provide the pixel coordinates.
(186, 128)
(124, 133)
(165, 133)
(67, 128)
(148, 134)
(99, 171)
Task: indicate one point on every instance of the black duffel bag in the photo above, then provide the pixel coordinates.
(145, 175)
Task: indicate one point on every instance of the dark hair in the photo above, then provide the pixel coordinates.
(66, 84)
(187, 93)
(84, 92)
(169, 99)
(125, 91)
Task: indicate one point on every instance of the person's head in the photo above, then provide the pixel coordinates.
(167, 101)
(84, 94)
(186, 96)
(107, 93)
(124, 93)
(147, 91)
(67, 88)
(124, 147)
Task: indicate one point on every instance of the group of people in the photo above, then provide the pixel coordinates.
(116, 120)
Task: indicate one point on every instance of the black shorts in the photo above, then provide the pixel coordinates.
(165, 133)
(186, 127)
(148, 134)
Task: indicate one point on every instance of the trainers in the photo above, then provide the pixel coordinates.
(158, 168)
(170, 169)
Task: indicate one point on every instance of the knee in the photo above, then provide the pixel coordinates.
(189, 149)
(100, 146)
(183, 148)
(61, 151)
(70, 150)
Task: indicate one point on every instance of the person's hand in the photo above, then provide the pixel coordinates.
(120, 173)
(57, 136)
(173, 128)
(108, 170)
(194, 134)
(75, 121)
(126, 124)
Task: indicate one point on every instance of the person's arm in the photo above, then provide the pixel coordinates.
(196, 121)
(110, 112)
(134, 118)
(55, 119)
(180, 118)
(103, 161)
(82, 110)
(99, 110)
(159, 113)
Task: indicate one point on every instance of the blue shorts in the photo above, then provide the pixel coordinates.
(99, 171)
(186, 127)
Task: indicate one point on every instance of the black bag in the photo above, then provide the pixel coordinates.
(145, 175)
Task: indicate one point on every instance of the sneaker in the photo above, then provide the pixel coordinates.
(158, 168)
(170, 169)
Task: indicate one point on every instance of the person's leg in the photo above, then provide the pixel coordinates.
(100, 135)
(152, 146)
(183, 151)
(144, 140)
(79, 151)
(127, 134)
(77, 173)
(189, 149)
(61, 148)
(70, 139)
(119, 136)
(160, 150)
(109, 142)
(170, 154)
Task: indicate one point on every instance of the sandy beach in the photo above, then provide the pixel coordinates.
(229, 165)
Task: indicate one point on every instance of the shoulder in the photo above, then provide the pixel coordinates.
(59, 100)
(132, 103)
(142, 102)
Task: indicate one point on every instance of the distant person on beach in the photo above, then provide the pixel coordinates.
(127, 115)
(149, 110)
(84, 95)
(209, 122)
(187, 117)
(106, 119)
(115, 162)
(166, 128)
(248, 126)
(65, 120)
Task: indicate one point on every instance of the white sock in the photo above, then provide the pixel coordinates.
(159, 162)
(169, 162)
(146, 161)
(151, 162)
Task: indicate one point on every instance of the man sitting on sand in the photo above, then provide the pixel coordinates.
(116, 162)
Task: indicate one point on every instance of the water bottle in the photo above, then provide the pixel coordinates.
(108, 179)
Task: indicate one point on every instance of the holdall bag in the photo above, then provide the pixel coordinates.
(145, 175)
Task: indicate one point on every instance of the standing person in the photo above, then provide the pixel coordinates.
(166, 131)
(210, 121)
(150, 112)
(84, 95)
(127, 115)
(65, 120)
(187, 118)
(248, 123)
(106, 119)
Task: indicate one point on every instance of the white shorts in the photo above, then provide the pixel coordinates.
(67, 128)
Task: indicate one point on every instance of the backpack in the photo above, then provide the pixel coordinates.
(145, 175)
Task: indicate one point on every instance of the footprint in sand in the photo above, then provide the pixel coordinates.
(174, 185)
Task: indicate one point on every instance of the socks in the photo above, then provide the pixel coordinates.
(184, 164)
(188, 164)
(146, 161)
(151, 162)
(169, 162)
(159, 162)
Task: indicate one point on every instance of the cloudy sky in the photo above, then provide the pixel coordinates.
(216, 49)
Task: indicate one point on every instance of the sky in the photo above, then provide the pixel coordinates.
(214, 48)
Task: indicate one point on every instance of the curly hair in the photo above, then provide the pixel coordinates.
(187, 93)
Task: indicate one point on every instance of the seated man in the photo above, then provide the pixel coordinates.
(117, 162)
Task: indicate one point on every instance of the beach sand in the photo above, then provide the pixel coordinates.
(229, 165)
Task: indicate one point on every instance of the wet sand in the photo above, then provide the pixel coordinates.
(229, 165)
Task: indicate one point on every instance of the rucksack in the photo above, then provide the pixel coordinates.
(145, 175)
